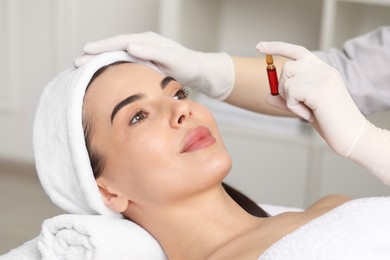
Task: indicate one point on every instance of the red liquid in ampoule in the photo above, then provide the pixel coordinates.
(273, 81)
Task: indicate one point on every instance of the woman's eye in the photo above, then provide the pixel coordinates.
(139, 117)
(181, 94)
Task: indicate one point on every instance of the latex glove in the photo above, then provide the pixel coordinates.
(210, 73)
(316, 92)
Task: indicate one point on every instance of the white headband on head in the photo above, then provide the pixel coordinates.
(60, 152)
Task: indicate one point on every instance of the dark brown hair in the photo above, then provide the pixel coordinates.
(98, 162)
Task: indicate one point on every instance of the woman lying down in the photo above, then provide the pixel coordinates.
(118, 137)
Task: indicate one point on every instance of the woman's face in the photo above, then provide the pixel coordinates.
(159, 146)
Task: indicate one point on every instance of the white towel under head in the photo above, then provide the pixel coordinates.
(88, 237)
(60, 152)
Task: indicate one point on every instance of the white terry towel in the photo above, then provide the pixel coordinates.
(84, 237)
(76, 236)
(60, 152)
(358, 229)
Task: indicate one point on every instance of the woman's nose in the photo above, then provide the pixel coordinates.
(181, 113)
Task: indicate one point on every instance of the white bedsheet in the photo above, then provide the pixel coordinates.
(359, 229)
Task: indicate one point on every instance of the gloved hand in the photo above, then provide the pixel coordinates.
(316, 92)
(210, 73)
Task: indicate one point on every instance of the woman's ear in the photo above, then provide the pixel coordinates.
(112, 199)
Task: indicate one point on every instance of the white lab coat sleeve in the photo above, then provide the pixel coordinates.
(364, 64)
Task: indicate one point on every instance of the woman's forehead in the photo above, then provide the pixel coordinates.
(119, 81)
(125, 76)
(129, 71)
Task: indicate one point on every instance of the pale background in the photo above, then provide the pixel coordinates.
(277, 161)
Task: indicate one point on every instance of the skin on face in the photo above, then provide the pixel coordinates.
(143, 142)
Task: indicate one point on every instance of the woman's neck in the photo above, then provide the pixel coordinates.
(197, 227)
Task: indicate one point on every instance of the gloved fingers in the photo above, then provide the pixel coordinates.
(308, 65)
(168, 60)
(292, 68)
(300, 78)
(297, 92)
(120, 42)
(276, 101)
(282, 79)
(150, 52)
(287, 50)
(81, 60)
(285, 74)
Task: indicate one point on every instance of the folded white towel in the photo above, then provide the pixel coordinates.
(60, 152)
(75, 236)
(359, 229)
(96, 237)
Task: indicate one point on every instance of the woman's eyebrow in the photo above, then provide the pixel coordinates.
(125, 102)
(164, 82)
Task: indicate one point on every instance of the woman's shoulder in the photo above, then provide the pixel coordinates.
(254, 242)
(330, 201)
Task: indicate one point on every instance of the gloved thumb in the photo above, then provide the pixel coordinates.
(299, 109)
(276, 101)
(287, 50)
(302, 111)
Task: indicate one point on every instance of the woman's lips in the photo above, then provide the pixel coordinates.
(197, 138)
